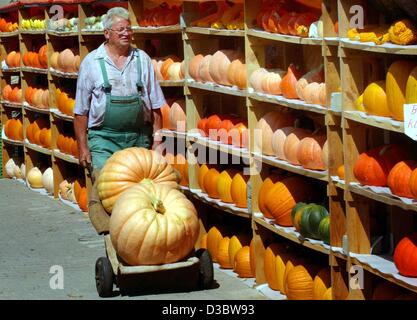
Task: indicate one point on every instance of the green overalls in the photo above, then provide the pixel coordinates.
(123, 125)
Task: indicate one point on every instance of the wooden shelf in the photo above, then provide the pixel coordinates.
(213, 87)
(58, 114)
(37, 148)
(227, 207)
(383, 266)
(378, 122)
(155, 30)
(291, 234)
(171, 83)
(11, 70)
(10, 141)
(216, 32)
(384, 198)
(12, 105)
(173, 134)
(385, 48)
(284, 38)
(66, 157)
(63, 33)
(60, 74)
(272, 161)
(9, 34)
(332, 41)
(289, 103)
(32, 32)
(225, 148)
(34, 70)
(86, 32)
(35, 109)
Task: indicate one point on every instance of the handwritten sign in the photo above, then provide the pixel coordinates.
(410, 120)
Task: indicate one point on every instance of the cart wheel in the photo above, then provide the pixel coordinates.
(104, 277)
(206, 269)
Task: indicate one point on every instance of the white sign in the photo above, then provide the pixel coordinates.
(410, 120)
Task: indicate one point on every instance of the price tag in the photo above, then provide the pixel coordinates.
(410, 120)
(14, 79)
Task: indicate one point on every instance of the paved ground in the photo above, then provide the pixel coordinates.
(38, 232)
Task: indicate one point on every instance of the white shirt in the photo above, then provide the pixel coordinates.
(90, 97)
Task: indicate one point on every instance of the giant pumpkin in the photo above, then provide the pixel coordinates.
(127, 167)
(153, 224)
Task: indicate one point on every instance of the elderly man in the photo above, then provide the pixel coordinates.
(118, 101)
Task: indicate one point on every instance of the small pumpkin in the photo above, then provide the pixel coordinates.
(321, 283)
(266, 186)
(48, 180)
(289, 82)
(34, 178)
(256, 79)
(214, 236)
(242, 263)
(224, 183)
(238, 190)
(324, 230)
(405, 256)
(194, 66)
(310, 150)
(311, 218)
(292, 143)
(399, 178)
(177, 116)
(223, 254)
(299, 283)
(236, 243)
(210, 183)
(375, 99)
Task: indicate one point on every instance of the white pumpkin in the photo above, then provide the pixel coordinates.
(17, 172)
(10, 168)
(71, 193)
(23, 170)
(34, 178)
(316, 30)
(48, 180)
(174, 71)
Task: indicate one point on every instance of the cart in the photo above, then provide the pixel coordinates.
(196, 272)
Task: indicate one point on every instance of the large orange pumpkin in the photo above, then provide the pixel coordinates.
(128, 167)
(299, 283)
(153, 224)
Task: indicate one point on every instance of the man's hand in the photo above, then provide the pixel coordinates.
(84, 156)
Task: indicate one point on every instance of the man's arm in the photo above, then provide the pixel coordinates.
(157, 126)
(80, 129)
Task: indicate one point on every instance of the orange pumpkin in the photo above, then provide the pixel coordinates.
(210, 183)
(214, 236)
(289, 82)
(204, 69)
(283, 197)
(240, 135)
(194, 67)
(10, 59)
(7, 91)
(242, 263)
(224, 184)
(177, 116)
(43, 58)
(399, 178)
(165, 66)
(291, 144)
(66, 60)
(278, 141)
(265, 188)
(202, 171)
(166, 124)
(309, 152)
(238, 190)
(83, 200)
(223, 253)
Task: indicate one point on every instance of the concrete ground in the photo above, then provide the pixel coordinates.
(39, 235)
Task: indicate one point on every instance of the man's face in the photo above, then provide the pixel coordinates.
(120, 33)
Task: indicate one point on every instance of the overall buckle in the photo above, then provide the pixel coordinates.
(107, 89)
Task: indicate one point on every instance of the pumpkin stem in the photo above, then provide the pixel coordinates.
(158, 206)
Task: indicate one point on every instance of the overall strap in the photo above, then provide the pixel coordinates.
(106, 85)
(139, 68)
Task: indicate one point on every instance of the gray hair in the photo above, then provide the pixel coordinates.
(114, 12)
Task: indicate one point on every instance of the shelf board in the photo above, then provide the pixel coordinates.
(319, 175)
(290, 234)
(172, 134)
(58, 114)
(171, 83)
(385, 48)
(9, 34)
(12, 142)
(381, 197)
(227, 207)
(216, 32)
(379, 122)
(35, 109)
(213, 87)
(11, 70)
(60, 74)
(332, 41)
(62, 33)
(66, 157)
(31, 32)
(225, 148)
(284, 38)
(155, 30)
(37, 148)
(338, 182)
(289, 103)
(87, 32)
(34, 70)
(384, 267)
(12, 105)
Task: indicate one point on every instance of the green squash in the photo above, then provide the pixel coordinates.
(299, 205)
(324, 230)
(310, 220)
(296, 218)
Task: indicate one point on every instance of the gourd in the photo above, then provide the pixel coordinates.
(153, 224)
(48, 180)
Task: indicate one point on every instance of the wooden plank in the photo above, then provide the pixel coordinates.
(284, 38)
(378, 122)
(387, 48)
(216, 32)
(157, 30)
(213, 87)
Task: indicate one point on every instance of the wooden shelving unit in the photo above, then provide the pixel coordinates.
(349, 67)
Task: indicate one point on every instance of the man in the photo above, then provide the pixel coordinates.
(118, 100)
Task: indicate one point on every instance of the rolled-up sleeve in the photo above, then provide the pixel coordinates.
(84, 89)
(154, 98)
